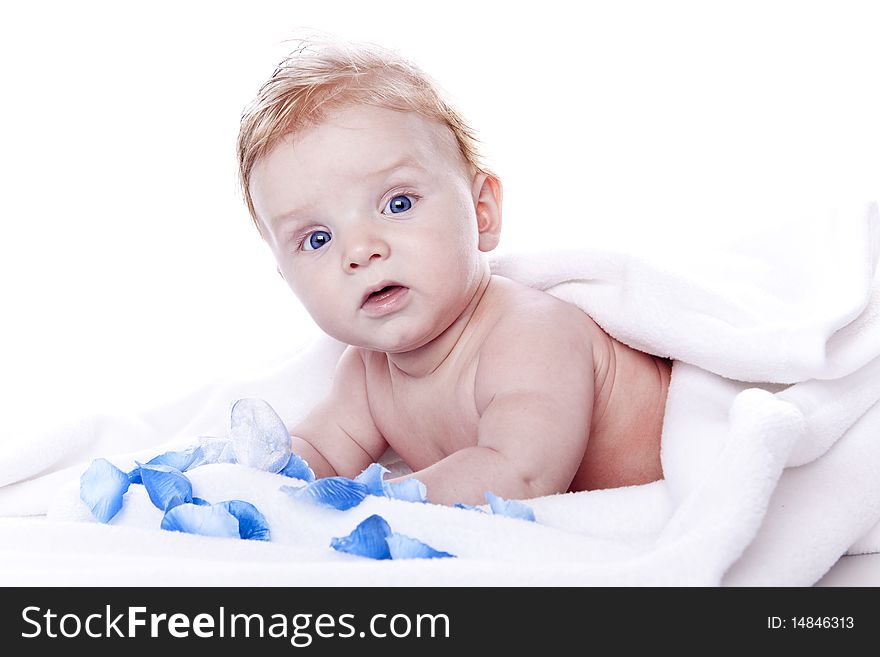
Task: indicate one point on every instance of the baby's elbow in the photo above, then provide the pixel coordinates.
(548, 477)
(533, 482)
(541, 486)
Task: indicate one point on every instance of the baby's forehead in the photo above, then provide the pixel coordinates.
(352, 130)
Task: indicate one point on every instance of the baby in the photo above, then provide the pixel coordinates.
(369, 190)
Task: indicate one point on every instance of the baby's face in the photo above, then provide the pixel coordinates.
(369, 197)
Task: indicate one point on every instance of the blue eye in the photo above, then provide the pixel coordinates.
(400, 203)
(315, 240)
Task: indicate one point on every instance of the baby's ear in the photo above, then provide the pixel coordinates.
(487, 196)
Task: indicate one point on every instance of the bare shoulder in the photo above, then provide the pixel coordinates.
(533, 316)
(537, 341)
(351, 365)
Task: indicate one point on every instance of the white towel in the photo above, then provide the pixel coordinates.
(766, 483)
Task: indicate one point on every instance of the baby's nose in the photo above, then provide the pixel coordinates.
(364, 251)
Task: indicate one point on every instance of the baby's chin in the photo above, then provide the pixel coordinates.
(392, 342)
(391, 346)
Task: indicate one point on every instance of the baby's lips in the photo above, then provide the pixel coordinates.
(379, 286)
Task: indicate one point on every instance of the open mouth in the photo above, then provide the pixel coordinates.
(385, 289)
(380, 295)
(385, 300)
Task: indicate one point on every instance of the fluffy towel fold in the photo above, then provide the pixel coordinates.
(769, 444)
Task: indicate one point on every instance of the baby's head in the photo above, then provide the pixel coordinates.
(359, 175)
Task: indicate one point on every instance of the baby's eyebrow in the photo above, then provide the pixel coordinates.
(291, 216)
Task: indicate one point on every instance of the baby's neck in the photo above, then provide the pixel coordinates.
(424, 361)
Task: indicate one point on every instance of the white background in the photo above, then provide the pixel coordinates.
(131, 272)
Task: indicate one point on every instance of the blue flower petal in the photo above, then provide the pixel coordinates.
(251, 523)
(372, 477)
(297, 468)
(101, 487)
(509, 508)
(166, 486)
(367, 539)
(468, 507)
(182, 461)
(259, 438)
(335, 492)
(409, 490)
(406, 547)
(212, 520)
(198, 501)
(134, 476)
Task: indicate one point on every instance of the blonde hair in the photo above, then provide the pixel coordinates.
(323, 74)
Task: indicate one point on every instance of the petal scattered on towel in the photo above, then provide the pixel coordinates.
(251, 523)
(214, 520)
(178, 460)
(467, 507)
(367, 539)
(335, 492)
(183, 461)
(101, 487)
(134, 476)
(166, 486)
(409, 490)
(259, 438)
(509, 508)
(297, 468)
(372, 477)
(405, 547)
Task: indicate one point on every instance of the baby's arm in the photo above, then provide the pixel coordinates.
(339, 437)
(534, 393)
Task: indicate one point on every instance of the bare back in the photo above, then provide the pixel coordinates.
(426, 419)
